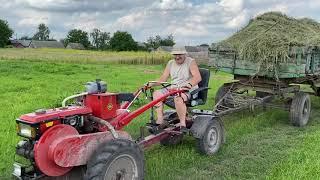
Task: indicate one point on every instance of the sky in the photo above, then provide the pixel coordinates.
(191, 22)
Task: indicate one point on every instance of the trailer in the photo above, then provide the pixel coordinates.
(254, 85)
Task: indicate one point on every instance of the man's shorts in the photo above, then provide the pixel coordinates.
(188, 94)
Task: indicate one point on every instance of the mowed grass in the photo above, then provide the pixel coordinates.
(260, 145)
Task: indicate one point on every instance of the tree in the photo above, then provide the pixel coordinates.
(122, 41)
(43, 33)
(77, 36)
(157, 41)
(100, 40)
(5, 33)
(95, 38)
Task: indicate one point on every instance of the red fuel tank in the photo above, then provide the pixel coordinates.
(103, 105)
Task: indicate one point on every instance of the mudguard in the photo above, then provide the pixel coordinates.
(200, 124)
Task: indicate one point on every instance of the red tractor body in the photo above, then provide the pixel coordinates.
(59, 139)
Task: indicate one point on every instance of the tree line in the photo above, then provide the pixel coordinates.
(96, 40)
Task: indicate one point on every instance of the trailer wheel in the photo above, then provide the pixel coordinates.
(212, 138)
(300, 109)
(172, 140)
(220, 93)
(116, 159)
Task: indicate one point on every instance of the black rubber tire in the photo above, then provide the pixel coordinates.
(220, 93)
(109, 153)
(211, 140)
(300, 109)
(316, 90)
(172, 140)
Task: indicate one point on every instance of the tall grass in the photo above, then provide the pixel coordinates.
(84, 56)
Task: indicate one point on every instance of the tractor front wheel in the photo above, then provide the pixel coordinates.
(116, 159)
(212, 138)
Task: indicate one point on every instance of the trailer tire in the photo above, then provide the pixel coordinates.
(220, 93)
(209, 143)
(300, 109)
(108, 160)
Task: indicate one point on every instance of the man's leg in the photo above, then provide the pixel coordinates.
(181, 108)
(158, 107)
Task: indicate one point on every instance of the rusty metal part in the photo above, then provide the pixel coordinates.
(105, 123)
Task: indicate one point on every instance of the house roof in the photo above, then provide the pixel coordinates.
(165, 48)
(46, 44)
(75, 46)
(24, 43)
(196, 48)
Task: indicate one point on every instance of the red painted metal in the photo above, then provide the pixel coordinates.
(103, 105)
(44, 126)
(55, 113)
(43, 161)
(152, 139)
(61, 147)
(75, 150)
(126, 104)
(123, 121)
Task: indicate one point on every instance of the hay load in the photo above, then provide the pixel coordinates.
(273, 42)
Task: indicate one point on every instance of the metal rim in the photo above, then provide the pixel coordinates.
(212, 138)
(124, 167)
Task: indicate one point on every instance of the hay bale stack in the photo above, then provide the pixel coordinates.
(268, 38)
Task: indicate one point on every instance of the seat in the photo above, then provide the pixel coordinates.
(202, 91)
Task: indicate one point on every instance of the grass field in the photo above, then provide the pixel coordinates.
(262, 145)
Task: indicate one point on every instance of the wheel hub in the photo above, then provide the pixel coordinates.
(123, 167)
(212, 137)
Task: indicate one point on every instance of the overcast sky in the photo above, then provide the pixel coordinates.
(191, 22)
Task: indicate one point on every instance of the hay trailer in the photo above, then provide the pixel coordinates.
(255, 85)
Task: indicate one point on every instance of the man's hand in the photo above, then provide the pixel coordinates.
(186, 86)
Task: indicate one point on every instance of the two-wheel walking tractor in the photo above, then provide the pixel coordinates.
(85, 140)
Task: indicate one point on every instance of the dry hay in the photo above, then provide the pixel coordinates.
(268, 38)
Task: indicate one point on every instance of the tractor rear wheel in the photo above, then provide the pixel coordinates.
(116, 159)
(212, 138)
(300, 109)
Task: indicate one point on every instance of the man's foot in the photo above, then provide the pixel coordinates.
(184, 130)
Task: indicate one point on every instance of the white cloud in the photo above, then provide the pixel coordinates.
(232, 6)
(189, 21)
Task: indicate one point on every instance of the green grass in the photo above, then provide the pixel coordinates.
(260, 145)
(84, 56)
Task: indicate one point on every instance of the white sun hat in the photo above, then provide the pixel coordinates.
(178, 50)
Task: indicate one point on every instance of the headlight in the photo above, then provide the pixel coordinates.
(26, 130)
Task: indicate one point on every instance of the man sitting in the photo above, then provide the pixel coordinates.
(184, 72)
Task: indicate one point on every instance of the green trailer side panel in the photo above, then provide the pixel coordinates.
(302, 61)
(226, 63)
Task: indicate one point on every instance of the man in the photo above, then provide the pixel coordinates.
(184, 72)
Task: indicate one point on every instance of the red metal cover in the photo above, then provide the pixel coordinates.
(55, 113)
(44, 162)
(103, 105)
(75, 150)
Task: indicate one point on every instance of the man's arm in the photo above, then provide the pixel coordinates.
(164, 77)
(196, 76)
